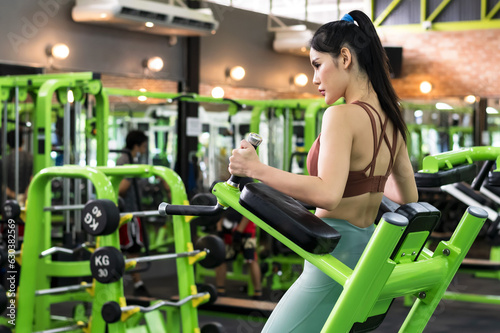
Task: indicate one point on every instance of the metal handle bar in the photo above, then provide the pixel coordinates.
(163, 303)
(166, 256)
(58, 249)
(62, 289)
(190, 210)
(483, 173)
(63, 329)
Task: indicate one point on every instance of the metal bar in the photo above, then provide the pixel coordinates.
(381, 18)
(165, 256)
(77, 182)
(493, 11)
(163, 303)
(62, 329)
(484, 8)
(66, 159)
(4, 149)
(58, 290)
(16, 145)
(423, 10)
(58, 249)
(452, 190)
(63, 208)
(438, 10)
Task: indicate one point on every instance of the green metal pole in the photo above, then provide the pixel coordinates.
(454, 252)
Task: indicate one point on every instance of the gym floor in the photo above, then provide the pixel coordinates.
(450, 316)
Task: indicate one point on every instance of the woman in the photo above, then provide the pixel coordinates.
(359, 156)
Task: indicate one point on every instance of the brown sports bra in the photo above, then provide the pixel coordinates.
(357, 181)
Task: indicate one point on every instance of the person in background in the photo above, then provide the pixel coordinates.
(359, 156)
(131, 237)
(239, 237)
(25, 171)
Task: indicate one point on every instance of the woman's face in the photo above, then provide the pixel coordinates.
(329, 78)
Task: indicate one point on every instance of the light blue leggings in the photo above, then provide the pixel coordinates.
(306, 305)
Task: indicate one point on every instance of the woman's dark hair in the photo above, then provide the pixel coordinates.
(361, 38)
(135, 137)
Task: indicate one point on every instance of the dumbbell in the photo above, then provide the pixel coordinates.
(107, 264)
(102, 216)
(112, 311)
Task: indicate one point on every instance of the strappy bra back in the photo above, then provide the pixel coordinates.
(357, 181)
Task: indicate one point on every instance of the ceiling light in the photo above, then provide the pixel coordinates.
(425, 87)
(58, 51)
(217, 92)
(154, 64)
(71, 96)
(300, 80)
(237, 73)
(471, 99)
(103, 15)
(491, 110)
(142, 98)
(149, 24)
(443, 106)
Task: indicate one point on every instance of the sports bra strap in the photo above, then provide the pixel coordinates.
(377, 144)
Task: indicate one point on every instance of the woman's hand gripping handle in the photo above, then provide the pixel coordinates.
(255, 140)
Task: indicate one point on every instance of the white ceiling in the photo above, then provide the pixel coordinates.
(318, 11)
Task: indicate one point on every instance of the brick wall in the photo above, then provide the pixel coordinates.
(457, 63)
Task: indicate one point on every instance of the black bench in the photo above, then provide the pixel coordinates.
(287, 216)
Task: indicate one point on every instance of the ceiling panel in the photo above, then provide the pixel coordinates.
(318, 11)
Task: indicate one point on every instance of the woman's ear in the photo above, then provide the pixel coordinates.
(345, 57)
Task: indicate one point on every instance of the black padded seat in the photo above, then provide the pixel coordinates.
(462, 173)
(287, 216)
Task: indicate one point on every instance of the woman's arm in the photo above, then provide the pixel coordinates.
(324, 191)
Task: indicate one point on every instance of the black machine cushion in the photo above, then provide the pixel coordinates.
(287, 216)
(461, 173)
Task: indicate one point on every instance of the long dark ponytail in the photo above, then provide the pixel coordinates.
(361, 38)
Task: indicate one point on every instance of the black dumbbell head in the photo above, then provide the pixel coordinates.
(11, 209)
(111, 312)
(209, 288)
(205, 199)
(100, 217)
(107, 264)
(216, 250)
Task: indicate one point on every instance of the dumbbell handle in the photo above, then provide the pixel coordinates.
(255, 140)
(165, 209)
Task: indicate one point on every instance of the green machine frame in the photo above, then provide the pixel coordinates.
(32, 314)
(427, 277)
(449, 160)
